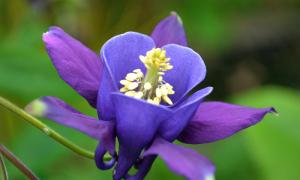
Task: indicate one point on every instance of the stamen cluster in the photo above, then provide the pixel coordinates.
(151, 87)
(156, 59)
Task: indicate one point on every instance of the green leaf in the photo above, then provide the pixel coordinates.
(274, 144)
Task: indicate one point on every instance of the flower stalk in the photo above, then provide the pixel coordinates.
(4, 174)
(18, 163)
(47, 130)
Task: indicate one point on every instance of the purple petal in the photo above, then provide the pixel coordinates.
(137, 122)
(169, 31)
(58, 111)
(121, 56)
(183, 161)
(188, 71)
(76, 64)
(172, 128)
(217, 120)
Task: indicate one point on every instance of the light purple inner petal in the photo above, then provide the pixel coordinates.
(217, 120)
(169, 31)
(121, 56)
(183, 161)
(189, 70)
(76, 64)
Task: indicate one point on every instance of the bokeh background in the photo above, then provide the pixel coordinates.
(251, 49)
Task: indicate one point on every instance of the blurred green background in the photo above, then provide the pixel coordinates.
(251, 49)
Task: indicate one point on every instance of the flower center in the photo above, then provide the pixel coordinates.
(150, 87)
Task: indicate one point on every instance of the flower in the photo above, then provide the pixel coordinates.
(139, 85)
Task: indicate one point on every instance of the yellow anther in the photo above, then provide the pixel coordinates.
(139, 73)
(132, 85)
(152, 101)
(163, 55)
(168, 67)
(158, 92)
(169, 88)
(137, 70)
(123, 89)
(124, 82)
(171, 91)
(131, 77)
(130, 93)
(164, 90)
(156, 58)
(147, 86)
(142, 58)
(160, 78)
(139, 95)
(156, 100)
(167, 100)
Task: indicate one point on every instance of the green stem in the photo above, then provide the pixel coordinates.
(47, 130)
(18, 163)
(152, 78)
(4, 173)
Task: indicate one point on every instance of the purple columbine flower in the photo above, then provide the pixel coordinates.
(139, 85)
